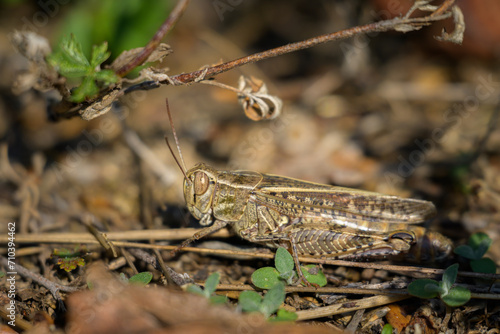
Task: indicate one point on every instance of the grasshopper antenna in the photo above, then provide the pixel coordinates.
(183, 166)
(175, 158)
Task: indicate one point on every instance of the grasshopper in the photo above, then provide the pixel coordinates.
(309, 218)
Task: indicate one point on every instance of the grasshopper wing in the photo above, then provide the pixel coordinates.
(357, 209)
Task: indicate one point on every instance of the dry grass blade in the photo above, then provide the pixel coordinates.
(349, 306)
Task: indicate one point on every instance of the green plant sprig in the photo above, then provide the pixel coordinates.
(453, 296)
(252, 301)
(267, 277)
(209, 290)
(476, 247)
(70, 62)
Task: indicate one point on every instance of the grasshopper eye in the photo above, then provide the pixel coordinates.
(200, 183)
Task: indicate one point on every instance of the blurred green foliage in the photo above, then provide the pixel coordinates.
(123, 24)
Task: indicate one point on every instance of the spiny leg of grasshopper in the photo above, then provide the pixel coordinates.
(295, 257)
(339, 243)
(217, 225)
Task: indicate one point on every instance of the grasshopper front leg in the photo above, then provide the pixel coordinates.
(217, 225)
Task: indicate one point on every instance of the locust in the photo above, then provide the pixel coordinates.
(309, 219)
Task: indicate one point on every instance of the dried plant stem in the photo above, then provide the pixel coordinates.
(20, 322)
(349, 306)
(155, 41)
(308, 43)
(182, 234)
(443, 8)
(71, 238)
(404, 24)
(341, 290)
(53, 287)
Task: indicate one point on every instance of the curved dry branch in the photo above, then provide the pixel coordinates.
(156, 79)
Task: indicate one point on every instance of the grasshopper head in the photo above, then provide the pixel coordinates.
(199, 189)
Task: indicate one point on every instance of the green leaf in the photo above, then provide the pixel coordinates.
(65, 66)
(193, 288)
(273, 299)
(87, 88)
(99, 54)
(106, 76)
(449, 277)
(387, 329)
(477, 238)
(465, 251)
(73, 50)
(284, 315)
(141, 278)
(484, 265)
(417, 288)
(457, 296)
(218, 299)
(123, 278)
(211, 283)
(435, 288)
(250, 301)
(283, 261)
(69, 60)
(483, 247)
(314, 275)
(265, 278)
(66, 252)
(288, 277)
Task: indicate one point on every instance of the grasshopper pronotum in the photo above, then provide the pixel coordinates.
(308, 218)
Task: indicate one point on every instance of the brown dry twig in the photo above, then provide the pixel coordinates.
(182, 234)
(53, 287)
(27, 182)
(402, 24)
(155, 41)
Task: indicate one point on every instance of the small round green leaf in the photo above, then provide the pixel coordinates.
(477, 238)
(449, 277)
(457, 296)
(249, 301)
(288, 276)
(482, 248)
(273, 299)
(314, 275)
(211, 283)
(437, 288)
(387, 329)
(284, 315)
(465, 251)
(265, 278)
(484, 265)
(283, 261)
(141, 278)
(417, 288)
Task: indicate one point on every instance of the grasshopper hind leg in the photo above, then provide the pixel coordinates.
(351, 245)
(289, 243)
